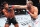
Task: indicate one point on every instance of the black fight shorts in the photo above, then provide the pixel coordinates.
(13, 21)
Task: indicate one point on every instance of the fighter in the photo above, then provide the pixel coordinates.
(33, 11)
(10, 15)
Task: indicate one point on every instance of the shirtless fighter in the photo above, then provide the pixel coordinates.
(9, 13)
(33, 11)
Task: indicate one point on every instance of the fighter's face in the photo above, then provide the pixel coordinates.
(28, 5)
(6, 6)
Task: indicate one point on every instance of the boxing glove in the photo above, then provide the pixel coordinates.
(12, 6)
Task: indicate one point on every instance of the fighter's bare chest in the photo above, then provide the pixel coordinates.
(11, 12)
(32, 11)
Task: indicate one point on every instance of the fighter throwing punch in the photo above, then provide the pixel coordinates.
(33, 11)
(9, 13)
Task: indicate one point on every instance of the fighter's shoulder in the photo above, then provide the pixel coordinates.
(35, 8)
(3, 10)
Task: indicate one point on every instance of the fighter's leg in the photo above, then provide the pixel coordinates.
(7, 25)
(8, 22)
(35, 23)
(15, 22)
(16, 25)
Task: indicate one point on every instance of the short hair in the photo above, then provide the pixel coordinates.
(30, 2)
(5, 3)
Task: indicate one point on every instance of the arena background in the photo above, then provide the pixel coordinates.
(22, 17)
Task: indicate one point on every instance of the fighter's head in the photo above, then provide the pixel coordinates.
(5, 4)
(29, 4)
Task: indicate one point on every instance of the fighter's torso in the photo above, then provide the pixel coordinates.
(32, 10)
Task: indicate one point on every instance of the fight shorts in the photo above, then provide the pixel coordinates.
(13, 21)
(34, 22)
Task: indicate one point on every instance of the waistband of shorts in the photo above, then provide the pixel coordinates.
(10, 18)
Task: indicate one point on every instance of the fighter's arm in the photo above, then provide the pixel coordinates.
(19, 6)
(5, 13)
(12, 10)
(35, 13)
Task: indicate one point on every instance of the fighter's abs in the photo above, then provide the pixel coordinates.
(11, 14)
